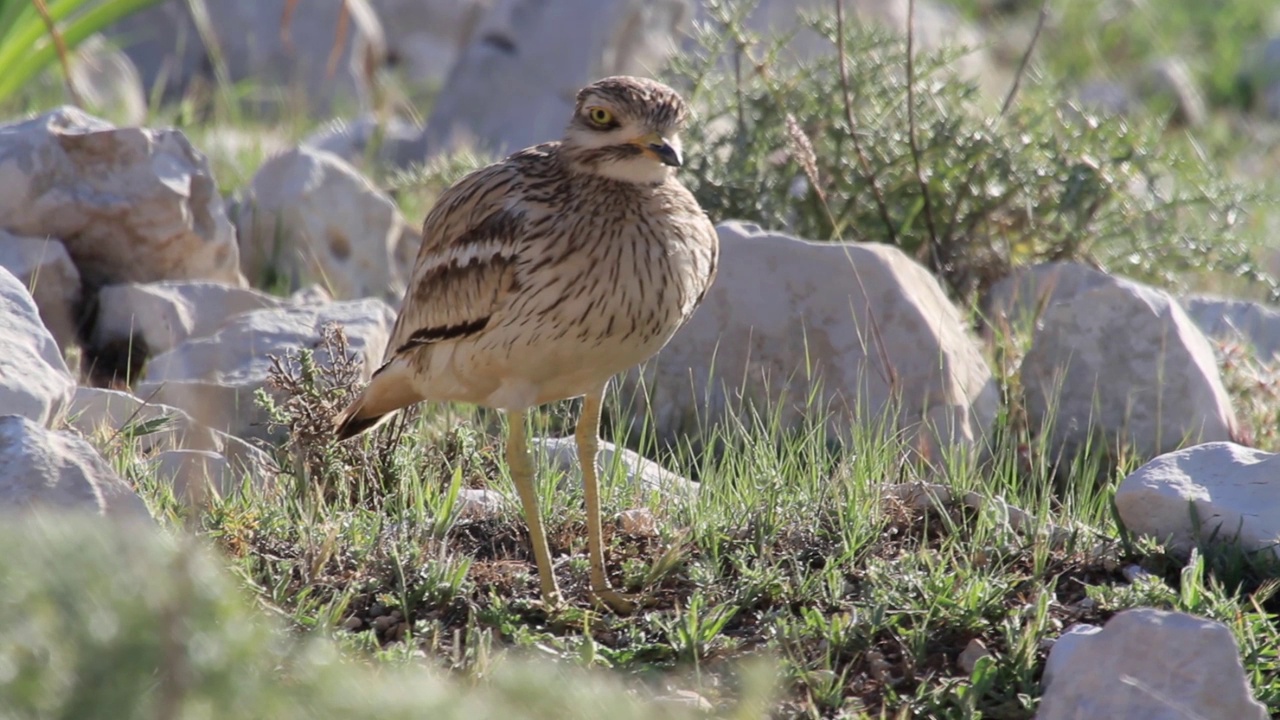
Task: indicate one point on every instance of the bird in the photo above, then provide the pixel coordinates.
(542, 276)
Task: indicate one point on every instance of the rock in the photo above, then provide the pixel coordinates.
(42, 468)
(969, 657)
(638, 522)
(1253, 323)
(240, 147)
(936, 25)
(1170, 78)
(883, 343)
(34, 380)
(642, 473)
(1260, 76)
(1017, 301)
(1147, 664)
(1124, 364)
(1106, 97)
(155, 429)
(108, 82)
(365, 141)
(424, 37)
(687, 699)
(479, 503)
(214, 378)
(100, 414)
(160, 316)
(1215, 492)
(312, 218)
(194, 473)
(130, 204)
(515, 82)
(46, 270)
(164, 43)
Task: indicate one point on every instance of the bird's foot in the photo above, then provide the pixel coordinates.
(615, 601)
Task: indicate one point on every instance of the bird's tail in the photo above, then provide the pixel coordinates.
(390, 389)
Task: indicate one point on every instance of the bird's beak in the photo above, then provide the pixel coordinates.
(660, 148)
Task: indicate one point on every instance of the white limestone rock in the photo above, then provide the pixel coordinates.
(43, 266)
(313, 218)
(369, 141)
(1147, 664)
(1017, 302)
(40, 468)
(163, 315)
(515, 81)
(1253, 323)
(863, 329)
(130, 204)
(1122, 364)
(424, 37)
(155, 429)
(1215, 492)
(214, 378)
(643, 474)
(34, 380)
(290, 63)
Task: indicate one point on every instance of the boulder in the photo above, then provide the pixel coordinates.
(215, 378)
(34, 380)
(310, 217)
(42, 468)
(155, 429)
(515, 82)
(858, 335)
(43, 266)
(1215, 492)
(1147, 664)
(194, 473)
(424, 37)
(369, 141)
(129, 204)
(1123, 365)
(1255, 324)
(160, 316)
(1017, 301)
(254, 44)
(643, 474)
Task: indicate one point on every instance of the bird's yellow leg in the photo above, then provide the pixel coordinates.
(587, 439)
(522, 475)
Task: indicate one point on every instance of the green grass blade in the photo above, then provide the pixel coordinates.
(16, 70)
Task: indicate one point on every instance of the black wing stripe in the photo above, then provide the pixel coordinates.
(427, 336)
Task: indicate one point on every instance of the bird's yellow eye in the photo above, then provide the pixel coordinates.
(600, 116)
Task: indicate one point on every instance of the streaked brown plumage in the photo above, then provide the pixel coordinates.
(542, 276)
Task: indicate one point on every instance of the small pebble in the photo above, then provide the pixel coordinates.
(1134, 573)
(639, 522)
(972, 653)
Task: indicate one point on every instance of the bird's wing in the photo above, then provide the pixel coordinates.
(465, 267)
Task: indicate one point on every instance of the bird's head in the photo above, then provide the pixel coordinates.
(626, 128)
